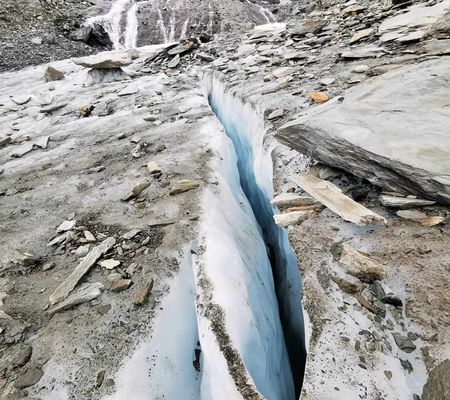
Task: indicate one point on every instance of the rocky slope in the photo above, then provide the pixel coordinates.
(131, 261)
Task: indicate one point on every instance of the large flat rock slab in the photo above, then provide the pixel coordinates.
(393, 130)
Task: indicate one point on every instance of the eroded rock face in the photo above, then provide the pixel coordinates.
(361, 133)
(438, 384)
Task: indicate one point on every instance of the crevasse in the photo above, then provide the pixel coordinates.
(269, 279)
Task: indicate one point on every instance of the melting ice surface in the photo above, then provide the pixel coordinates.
(254, 280)
(243, 126)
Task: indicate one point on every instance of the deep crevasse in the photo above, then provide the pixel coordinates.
(228, 269)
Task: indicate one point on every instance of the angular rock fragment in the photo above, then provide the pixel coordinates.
(362, 34)
(66, 226)
(347, 283)
(109, 264)
(404, 343)
(21, 150)
(288, 200)
(64, 289)
(121, 285)
(438, 383)
(357, 264)
(153, 168)
(318, 97)
(23, 257)
(142, 293)
(52, 74)
(332, 197)
(136, 191)
(275, 114)
(29, 377)
(104, 60)
(420, 217)
(86, 292)
(292, 218)
(183, 186)
(4, 140)
(404, 202)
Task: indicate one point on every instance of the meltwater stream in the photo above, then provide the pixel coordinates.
(242, 125)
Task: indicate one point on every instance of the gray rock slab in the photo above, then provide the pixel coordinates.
(392, 130)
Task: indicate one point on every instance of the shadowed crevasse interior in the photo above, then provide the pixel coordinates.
(240, 129)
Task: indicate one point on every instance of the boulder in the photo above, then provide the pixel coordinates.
(292, 218)
(52, 74)
(361, 134)
(104, 60)
(438, 383)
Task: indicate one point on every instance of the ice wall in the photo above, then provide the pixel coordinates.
(245, 128)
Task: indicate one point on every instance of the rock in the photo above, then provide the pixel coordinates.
(66, 226)
(107, 75)
(360, 69)
(153, 168)
(64, 289)
(90, 238)
(114, 276)
(275, 114)
(48, 265)
(52, 107)
(438, 383)
(29, 377)
(404, 343)
(130, 234)
(121, 285)
(440, 28)
(327, 81)
(183, 186)
(100, 378)
(351, 135)
(41, 142)
(36, 40)
(4, 140)
(136, 191)
(407, 366)
(128, 90)
(362, 34)
(300, 29)
(21, 355)
(347, 283)
(21, 150)
(20, 100)
(86, 292)
(174, 62)
(357, 264)
(52, 74)
(151, 118)
(418, 17)
(352, 9)
(85, 111)
(292, 218)
(23, 257)
(403, 202)
(434, 47)
(288, 200)
(205, 57)
(142, 293)
(94, 35)
(82, 250)
(318, 97)
(422, 218)
(333, 198)
(104, 60)
(363, 52)
(65, 237)
(109, 263)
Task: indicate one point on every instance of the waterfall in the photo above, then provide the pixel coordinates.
(120, 22)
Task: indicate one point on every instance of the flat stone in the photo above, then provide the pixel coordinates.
(130, 234)
(288, 200)
(174, 62)
(21, 355)
(82, 250)
(109, 263)
(352, 9)
(101, 61)
(347, 283)
(85, 293)
(404, 343)
(352, 136)
(20, 100)
(21, 150)
(292, 218)
(362, 34)
(89, 236)
(52, 107)
(404, 202)
(66, 226)
(318, 97)
(23, 257)
(183, 186)
(41, 142)
(153, 168)
(275, 114)
(363, 52)
(128, 90)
